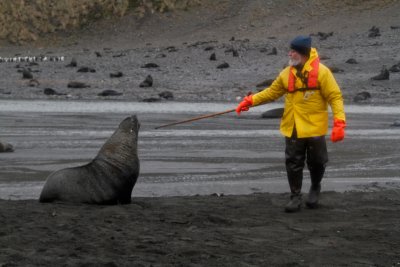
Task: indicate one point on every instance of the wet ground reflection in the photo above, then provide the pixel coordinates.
(226, 154)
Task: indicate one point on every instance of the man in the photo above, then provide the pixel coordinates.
(309, 87)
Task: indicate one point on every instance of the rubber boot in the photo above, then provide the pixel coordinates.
(313, 196)
(294, 204)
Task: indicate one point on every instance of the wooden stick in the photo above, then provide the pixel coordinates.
(197, 118)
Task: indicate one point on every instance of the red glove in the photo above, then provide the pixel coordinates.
(246, 103)
(338, 130)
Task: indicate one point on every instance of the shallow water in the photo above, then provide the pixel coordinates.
(227, 154)
(74, 106)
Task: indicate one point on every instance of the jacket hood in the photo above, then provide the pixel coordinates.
(313, 55)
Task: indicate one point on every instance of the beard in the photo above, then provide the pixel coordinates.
(294, 62)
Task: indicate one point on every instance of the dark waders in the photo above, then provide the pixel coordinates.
(313, 151)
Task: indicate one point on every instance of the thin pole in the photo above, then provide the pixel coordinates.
(197, 118)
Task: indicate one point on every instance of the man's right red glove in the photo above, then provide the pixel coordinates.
(246, 103)
(338, 130)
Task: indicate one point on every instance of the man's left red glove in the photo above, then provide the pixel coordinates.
(338, 130)
(246, 103)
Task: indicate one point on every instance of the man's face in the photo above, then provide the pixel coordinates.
(295, 58)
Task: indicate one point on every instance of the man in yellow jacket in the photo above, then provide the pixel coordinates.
(309, 87)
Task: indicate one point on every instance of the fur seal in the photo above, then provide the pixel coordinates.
(108, 179)
(6, 147)
(275, 113)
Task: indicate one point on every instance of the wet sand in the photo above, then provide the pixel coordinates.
(223, 155)
(210, 193)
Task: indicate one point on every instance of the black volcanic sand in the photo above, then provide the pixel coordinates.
(349, 229)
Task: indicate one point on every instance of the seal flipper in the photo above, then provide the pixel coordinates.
(47, 196)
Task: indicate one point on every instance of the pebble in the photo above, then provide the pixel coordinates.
(166, 95)
(77, 85)
(396, 123)
(324, 35)
(374, 32)
(383, 75)
(86, 69)
(150, 65)
(273, 52)
(265, 83)
(33, 83)
(117, 74)
(73, 63)
(151, 99)
(213, 57)
(109, 93)
(26, 74)
(50, 91)
(275, 113)
(351, 61)
(223, 66)
(361, 97)
(395, 68)
(5, 147)
(335, 69)
(119, 55)
(148, 82)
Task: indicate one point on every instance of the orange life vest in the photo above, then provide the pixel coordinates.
(312, 81)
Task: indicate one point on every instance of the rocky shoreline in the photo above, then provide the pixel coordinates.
(169, 57)
(216, 52)
(183, 73)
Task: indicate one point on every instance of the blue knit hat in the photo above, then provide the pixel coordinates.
(301, 44)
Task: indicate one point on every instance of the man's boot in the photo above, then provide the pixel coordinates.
(294, 204)
(313, 196)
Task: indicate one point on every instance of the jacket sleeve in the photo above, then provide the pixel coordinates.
(271, 93)
(331, 92)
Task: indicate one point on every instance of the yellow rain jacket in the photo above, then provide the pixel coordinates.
(307, 109)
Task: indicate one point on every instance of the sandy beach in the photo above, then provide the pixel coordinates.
(209, 193)
(350, 229)
(197, 202)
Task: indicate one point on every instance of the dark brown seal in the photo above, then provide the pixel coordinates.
(108, 179)
(6, 147)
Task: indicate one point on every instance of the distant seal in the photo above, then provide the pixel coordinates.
(275, 113)
(108, 179)
(6, 147)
